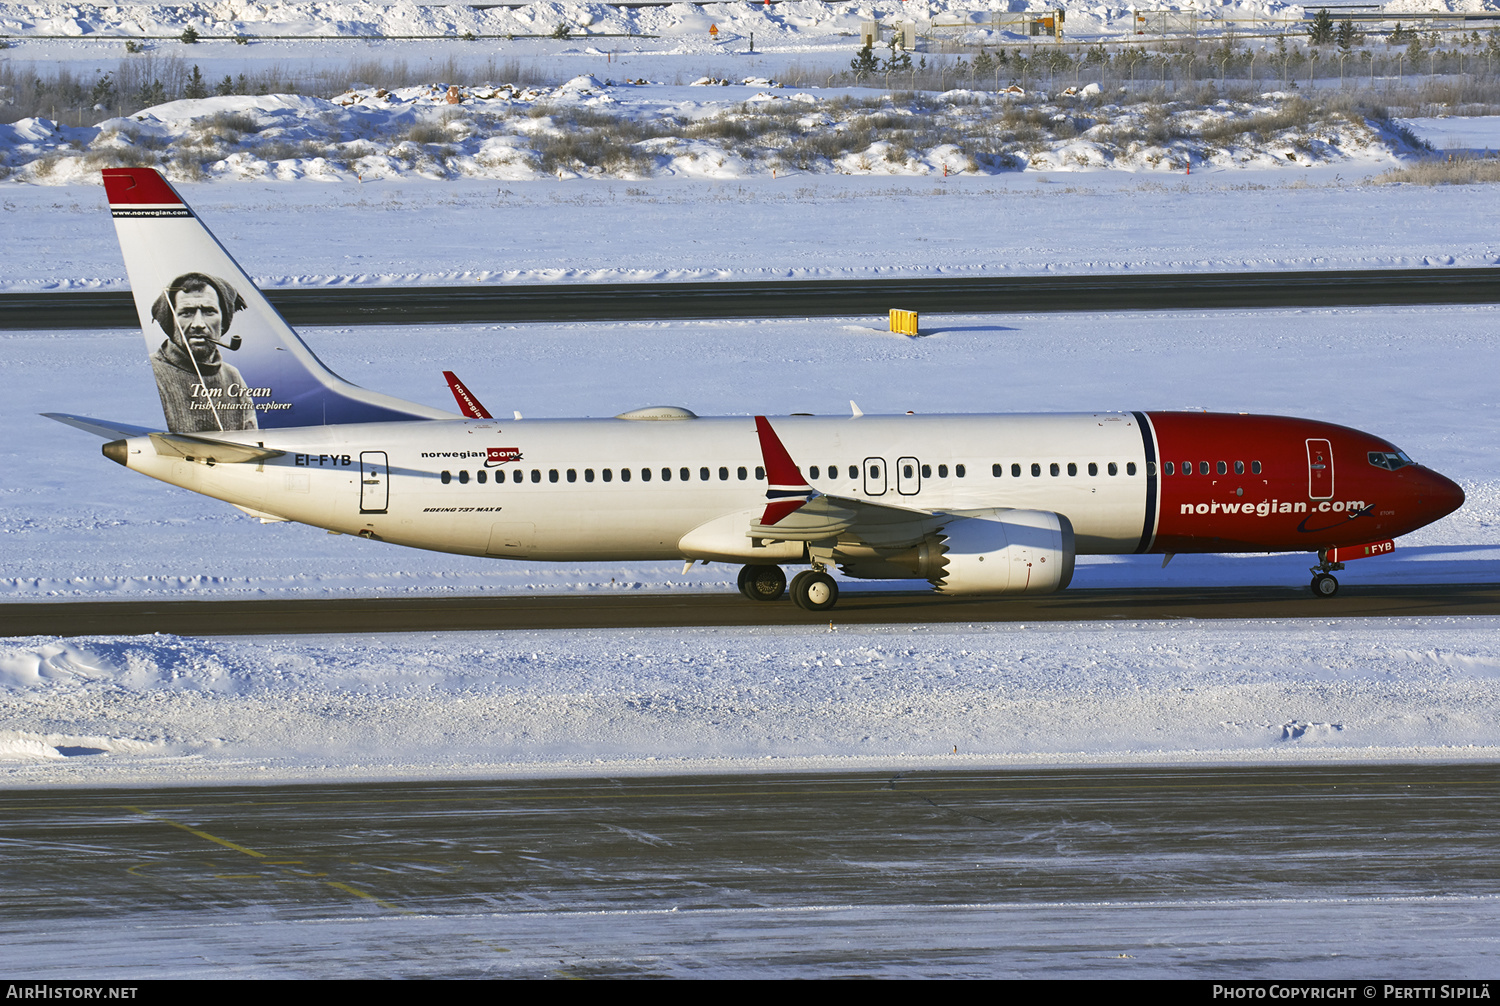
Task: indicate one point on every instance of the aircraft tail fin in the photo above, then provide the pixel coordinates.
(223, 357)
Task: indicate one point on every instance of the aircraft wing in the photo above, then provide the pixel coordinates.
(879, 525)
(101, 427)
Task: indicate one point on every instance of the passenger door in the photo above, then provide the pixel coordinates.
(1319, 469)
(374, 477)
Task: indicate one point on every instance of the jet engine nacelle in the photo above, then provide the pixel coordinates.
(1012, 552)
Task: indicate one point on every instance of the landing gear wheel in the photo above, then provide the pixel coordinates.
(762, 583)
(1324, 585)
(794, 588)
(814, 591)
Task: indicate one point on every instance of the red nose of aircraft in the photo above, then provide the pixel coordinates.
(1436, 495)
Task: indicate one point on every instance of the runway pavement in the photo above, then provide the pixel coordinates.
(1284, 872)
(802, 298)
(580, 611)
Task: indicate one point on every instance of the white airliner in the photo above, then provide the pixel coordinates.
(975, 504)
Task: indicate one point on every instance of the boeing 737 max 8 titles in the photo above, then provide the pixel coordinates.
(975, 504)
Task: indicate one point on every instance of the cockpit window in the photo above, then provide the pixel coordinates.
(1390, 460)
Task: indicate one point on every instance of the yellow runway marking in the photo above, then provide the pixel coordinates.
(297, 875)
(201, 834)
(369, 897)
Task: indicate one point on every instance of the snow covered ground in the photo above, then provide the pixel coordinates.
(592, 128)
(165, 710)
(630, 113)
(789, 23)
(825, 227)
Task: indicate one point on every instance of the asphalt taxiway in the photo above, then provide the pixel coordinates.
(1258, 872)
(603, 610)
(374, 305)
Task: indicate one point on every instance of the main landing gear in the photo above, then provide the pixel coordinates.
(762, 583)
(812, 589)
(1323, 582)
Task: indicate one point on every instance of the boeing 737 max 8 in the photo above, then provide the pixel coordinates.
(975, 504)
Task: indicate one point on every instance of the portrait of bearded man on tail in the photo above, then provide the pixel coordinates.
(200, 392)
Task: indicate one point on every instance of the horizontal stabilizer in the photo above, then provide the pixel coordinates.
(101, 427)
(205, 449)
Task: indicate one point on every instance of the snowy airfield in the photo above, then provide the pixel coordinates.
(174, 709)
(159, 709)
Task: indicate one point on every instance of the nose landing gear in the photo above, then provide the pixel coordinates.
(1323, 582)
(1324, 585)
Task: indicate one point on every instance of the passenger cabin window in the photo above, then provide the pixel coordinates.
(1054, 469)
(723, 474)
(463, 478)
(1113, 468)
(926, 471)
(1036, 470)
(1072, 469)
(588, 475)
(1093, 468)
(1203, 468)
(741, 473)
(536, 475)
(684, 474)
(854, 471)
(624, 474)
(959, 471)
(1222, 468)
(812, 473)
(760, 473)
(997, 470)
(1015, 471)
(1167, 468)
(552, 475)
(942, 471)
(1130, 468)
(479, 477)
(446, 477)
(1255, 468)
(1239, 467)
(607, 475)
(645, 475)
